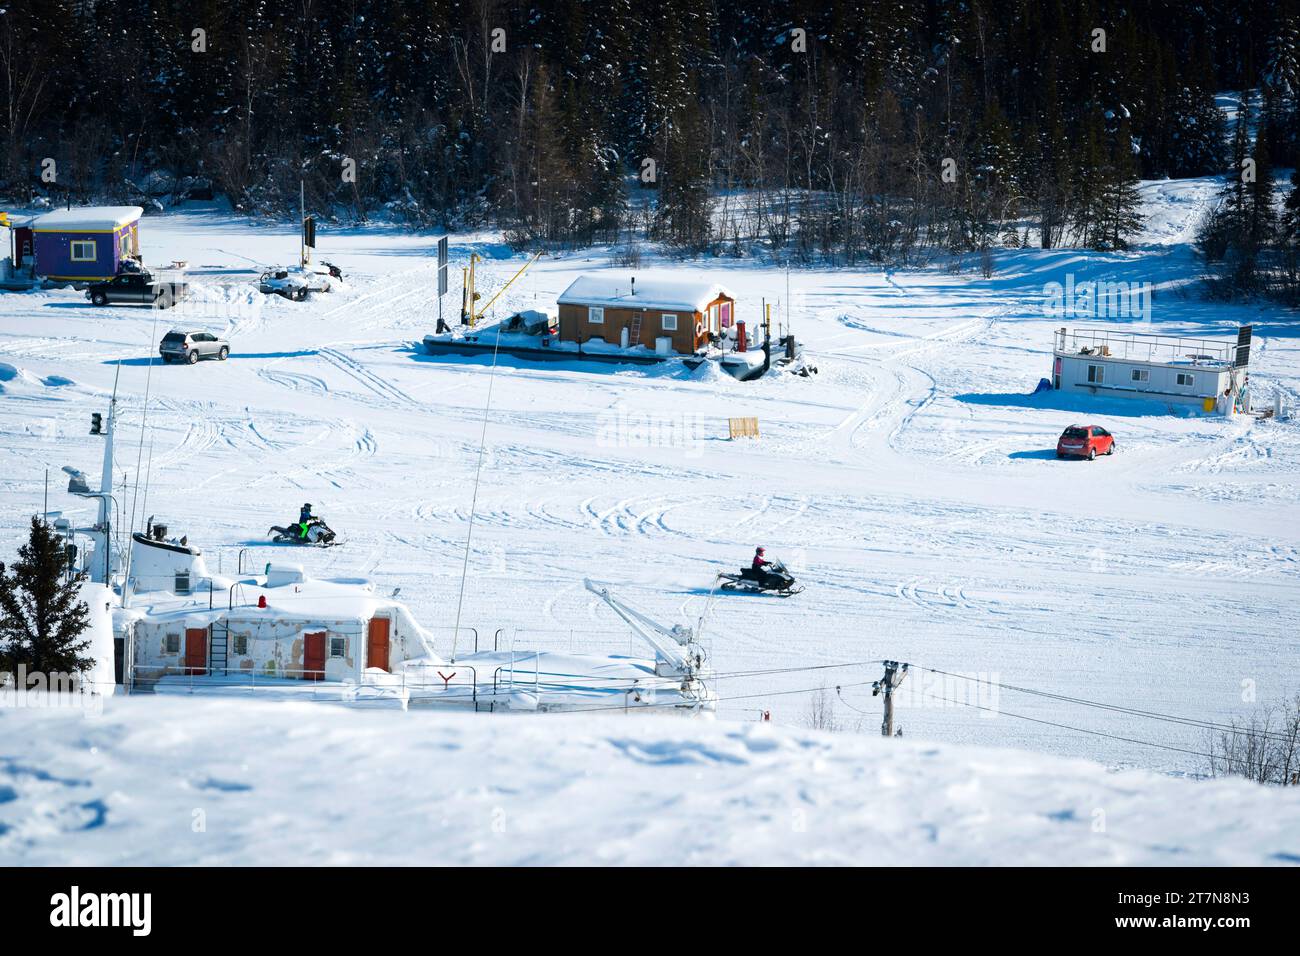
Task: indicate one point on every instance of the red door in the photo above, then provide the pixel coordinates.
(313, 656)
(377, 645)
(196, 650)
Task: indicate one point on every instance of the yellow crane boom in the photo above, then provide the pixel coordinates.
(475, 313)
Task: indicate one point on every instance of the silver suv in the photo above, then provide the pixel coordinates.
(180, 345)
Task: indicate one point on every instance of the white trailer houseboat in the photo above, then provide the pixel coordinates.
(1209, 374)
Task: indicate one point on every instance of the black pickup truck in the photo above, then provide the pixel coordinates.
(137, 288)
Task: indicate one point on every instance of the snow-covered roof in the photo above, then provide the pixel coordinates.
(305, 599)
(87, 218)
(652, 292)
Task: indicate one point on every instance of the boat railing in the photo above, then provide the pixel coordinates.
(1143, 347)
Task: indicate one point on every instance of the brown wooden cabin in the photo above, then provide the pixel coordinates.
(650, 308)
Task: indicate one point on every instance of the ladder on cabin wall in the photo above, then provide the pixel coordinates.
(634, 333)
(218, 658)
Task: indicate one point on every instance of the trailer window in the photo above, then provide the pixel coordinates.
(1187, 379)
(596, 316)
(1141, 375)
(338, 647)
(668, 322)
(1097, 373)
(173, 643)
(83, 250)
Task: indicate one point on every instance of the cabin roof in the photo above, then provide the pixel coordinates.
(87, 219)
(311, 599)
(652, 292)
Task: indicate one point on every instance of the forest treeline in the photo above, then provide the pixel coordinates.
(842, 130)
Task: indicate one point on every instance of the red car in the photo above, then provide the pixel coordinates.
(1085, 441)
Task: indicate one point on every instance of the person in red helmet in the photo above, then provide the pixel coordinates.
(760, 562)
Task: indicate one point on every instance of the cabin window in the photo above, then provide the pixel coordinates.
(241, 645)
(1096, 374)
(596, 316)
(1141, 375)
(1187, 379)
(125, 244)
(84, 250)
(173, 644)
(668, 322)
(183, 582)
(338, 647)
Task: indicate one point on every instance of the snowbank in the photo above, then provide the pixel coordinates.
(277, 784)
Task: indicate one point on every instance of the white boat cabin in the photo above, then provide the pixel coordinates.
(1209, 374)
(182, 620)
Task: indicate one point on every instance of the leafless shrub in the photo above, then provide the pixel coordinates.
(821, 713)
(1264, 747)
(628, 256)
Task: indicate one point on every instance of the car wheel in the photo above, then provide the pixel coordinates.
(99, 298)
(221, 355)
(1059, 455)
(1092, 454)
(193, 357)
(1111, 449)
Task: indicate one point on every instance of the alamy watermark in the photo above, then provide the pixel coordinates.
(37, 690)
(620, 427)
(1097, 299)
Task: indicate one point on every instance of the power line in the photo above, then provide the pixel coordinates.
(1081, 730)
(1101, 705)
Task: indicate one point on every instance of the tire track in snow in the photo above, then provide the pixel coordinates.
(358, 372)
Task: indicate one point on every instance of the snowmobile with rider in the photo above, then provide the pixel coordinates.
(761, 577)
(307, 530)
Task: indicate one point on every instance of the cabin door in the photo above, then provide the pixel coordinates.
(313, 656)
(377, 644)
(196, 650)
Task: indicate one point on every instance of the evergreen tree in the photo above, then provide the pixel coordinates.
(1119, 214)
(42, 616)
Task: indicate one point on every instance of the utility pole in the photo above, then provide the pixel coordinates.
(894, 675)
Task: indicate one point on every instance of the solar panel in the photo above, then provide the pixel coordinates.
(1243, 346)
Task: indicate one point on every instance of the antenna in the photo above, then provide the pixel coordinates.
(478, 472)
(144, 416)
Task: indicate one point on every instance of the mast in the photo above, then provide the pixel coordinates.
(106, 475)
(302, 223)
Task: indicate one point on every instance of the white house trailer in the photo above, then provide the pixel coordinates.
(1210, 374)
(281, 625)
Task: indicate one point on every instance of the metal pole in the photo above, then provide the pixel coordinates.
(302, 223)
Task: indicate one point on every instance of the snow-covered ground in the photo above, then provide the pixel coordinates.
(216, 782)
(911, 485)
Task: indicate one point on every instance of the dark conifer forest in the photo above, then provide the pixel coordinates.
(842, 130)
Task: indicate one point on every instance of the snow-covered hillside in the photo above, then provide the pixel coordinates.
(911, 485)
(207, 782)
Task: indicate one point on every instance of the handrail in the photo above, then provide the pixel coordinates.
(446, 684)
(1216, 350)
